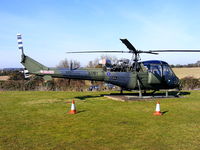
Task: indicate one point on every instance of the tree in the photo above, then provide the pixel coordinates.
(63, 64)
(67, 63)
(16, 75)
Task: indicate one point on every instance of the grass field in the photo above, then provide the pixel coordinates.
(187, 72)
(39, 120)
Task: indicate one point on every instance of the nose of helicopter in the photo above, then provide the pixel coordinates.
(173, 82)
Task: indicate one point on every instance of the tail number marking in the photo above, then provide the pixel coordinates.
(47, 71)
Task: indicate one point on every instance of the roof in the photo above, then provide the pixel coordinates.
(154, 62)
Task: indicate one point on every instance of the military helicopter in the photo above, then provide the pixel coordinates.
(128, 74)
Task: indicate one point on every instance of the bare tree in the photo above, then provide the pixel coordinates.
(94, 63)
(67, 63)
(63, 64)
(90, 64)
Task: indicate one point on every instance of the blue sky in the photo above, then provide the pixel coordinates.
(51, 27)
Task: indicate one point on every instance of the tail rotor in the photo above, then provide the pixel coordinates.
(20, 44)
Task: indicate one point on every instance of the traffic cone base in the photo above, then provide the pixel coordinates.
(72, 112)
(157, 113)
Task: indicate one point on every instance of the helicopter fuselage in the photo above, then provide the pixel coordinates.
(153, 75)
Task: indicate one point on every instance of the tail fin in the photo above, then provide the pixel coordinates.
(30, 64)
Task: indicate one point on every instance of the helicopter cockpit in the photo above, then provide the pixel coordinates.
(159, 68)
(163, 71)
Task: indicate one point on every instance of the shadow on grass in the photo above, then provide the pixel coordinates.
(158, 93)
(77, 112)
(88, 96)
(164, 112)
(184, 93)
(81, 111)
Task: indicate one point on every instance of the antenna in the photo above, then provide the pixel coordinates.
(71, 65)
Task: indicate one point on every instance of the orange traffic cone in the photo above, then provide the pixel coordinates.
(73, 108)
(157, 112)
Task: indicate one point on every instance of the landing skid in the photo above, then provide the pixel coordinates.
(144, 96)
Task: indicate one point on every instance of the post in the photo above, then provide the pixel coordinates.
(140, 92)
(166, 93)
(121, 91)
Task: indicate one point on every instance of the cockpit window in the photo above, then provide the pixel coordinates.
(159, 69)
(167, 71)
(156, 69)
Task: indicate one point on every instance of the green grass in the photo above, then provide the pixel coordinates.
(39, 120)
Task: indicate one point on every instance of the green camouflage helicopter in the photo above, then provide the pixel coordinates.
(129, 75)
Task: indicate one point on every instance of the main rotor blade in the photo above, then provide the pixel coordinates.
(174, 50)
(100, 52)
(147, 52)
(129, 45)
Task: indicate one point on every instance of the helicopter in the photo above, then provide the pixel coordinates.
(127, 74)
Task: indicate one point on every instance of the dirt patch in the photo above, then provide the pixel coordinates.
(4, 78)
(48, 101)
(42, 101)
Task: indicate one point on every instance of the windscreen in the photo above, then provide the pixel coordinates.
(154, 68)
(167, 71)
